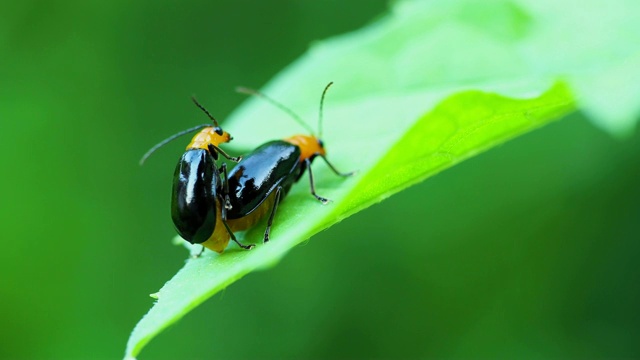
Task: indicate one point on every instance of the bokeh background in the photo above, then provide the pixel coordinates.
(527, 251)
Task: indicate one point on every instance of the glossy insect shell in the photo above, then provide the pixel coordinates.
(194, 198)
(275, 163)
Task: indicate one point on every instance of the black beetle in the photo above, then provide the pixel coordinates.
(198, 192)
(259, 182)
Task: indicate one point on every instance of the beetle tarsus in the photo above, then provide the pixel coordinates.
(195, 256)
(233, 237)
(246, 247)
(324, 201)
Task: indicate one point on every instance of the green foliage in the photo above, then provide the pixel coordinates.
(417, 92)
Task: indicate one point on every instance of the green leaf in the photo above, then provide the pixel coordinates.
(416, 92)
(460, 127)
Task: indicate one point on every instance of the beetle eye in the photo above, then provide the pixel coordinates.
(321, 143)
(218, 130)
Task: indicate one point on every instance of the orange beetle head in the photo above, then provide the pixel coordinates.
(209, 135)
(309, 145)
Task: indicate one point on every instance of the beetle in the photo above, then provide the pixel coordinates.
(259, 182)
(198, 194)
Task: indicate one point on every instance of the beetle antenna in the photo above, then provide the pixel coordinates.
(257, 93)
(169, 139)
(324, 92)
(215, 122)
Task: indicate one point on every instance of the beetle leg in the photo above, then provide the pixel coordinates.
(233, 237)
(217, 149)
(225, 188)
(336, 170)
(195, 256)
(313, 187)
(231, 234)
(276, 201)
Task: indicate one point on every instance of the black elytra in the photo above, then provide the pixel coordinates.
(270, 166)
(196, 184)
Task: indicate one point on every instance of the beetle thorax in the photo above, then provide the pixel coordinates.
(309, 145)
(208, 136)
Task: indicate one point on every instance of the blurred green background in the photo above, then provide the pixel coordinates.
(528, 251)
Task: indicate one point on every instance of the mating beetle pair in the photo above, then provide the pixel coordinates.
(207, 209)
